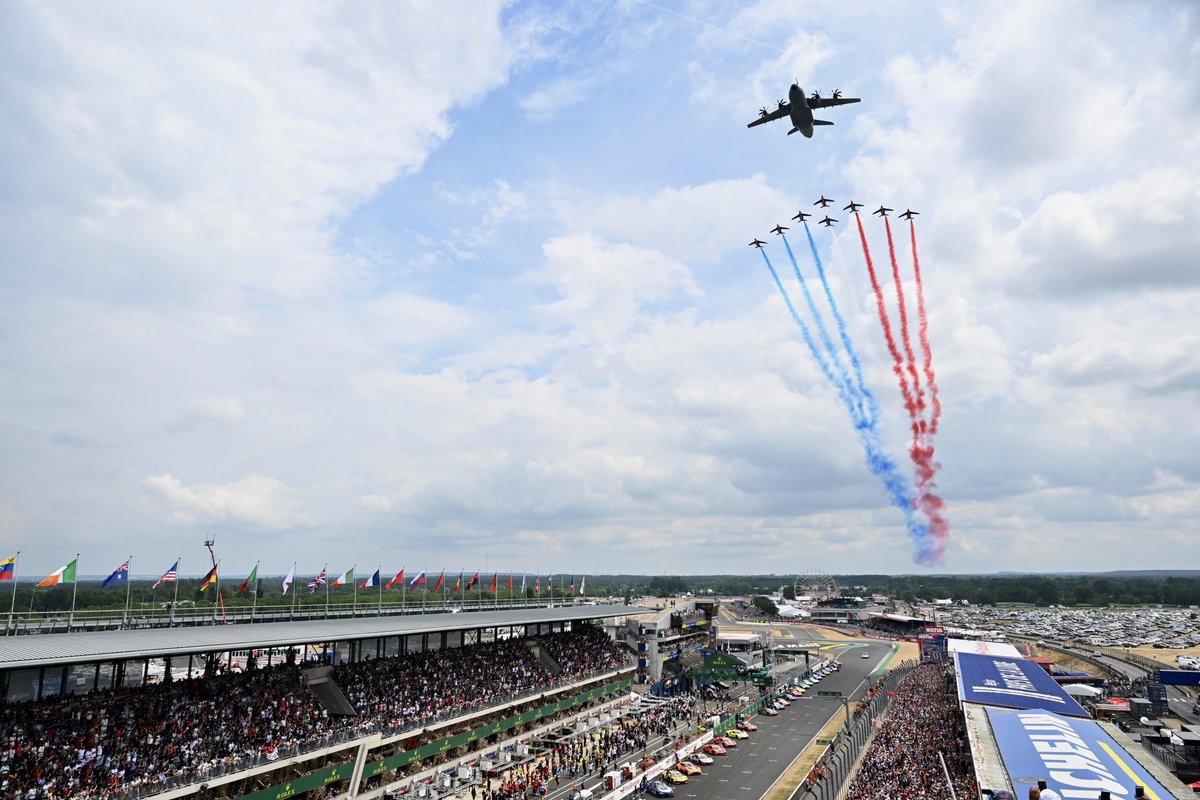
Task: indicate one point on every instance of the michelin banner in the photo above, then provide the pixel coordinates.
(1075, 757)
(1011, 682)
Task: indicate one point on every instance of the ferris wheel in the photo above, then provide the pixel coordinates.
(817, 584)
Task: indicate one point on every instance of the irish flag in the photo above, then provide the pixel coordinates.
(61, 575)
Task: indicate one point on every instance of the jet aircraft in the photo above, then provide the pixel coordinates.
(799, 108)
(757, 243)
(909, 214)
(778, 230)
(853, 207)
(823, 202)
(801, 216)
(881, 211)
(828, 222)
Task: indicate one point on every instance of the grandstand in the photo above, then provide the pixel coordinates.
(349, 707)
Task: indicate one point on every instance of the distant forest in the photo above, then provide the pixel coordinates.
(1101, 589)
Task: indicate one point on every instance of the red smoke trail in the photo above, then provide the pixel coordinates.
(927, 501)
(930, 379)
(910, 359)
(897, 359)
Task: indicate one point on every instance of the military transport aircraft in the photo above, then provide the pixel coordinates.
(800, 109)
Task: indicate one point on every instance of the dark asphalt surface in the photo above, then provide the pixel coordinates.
(747, 772)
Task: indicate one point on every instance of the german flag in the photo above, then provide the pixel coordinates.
(209, 579)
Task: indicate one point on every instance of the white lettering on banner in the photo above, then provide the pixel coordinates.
(1070, 762)
(1013, 676)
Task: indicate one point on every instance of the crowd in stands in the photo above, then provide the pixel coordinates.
(108, 743)
(902, 759)
(587, 753)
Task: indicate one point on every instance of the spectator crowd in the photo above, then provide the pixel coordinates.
(902, 759)
(109, 743)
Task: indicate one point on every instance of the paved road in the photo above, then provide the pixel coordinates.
(748, 771)
(1179, 701)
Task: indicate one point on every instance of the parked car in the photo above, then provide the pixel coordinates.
(660, 789)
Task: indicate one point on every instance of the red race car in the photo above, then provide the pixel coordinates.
(714, 749)
(747, 726)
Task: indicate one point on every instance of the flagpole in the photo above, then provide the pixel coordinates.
(403, 590)
(175, 599)
(12, 605)
(128, 584)
(292, 589)
(354, 601)
(74, 593)
(326, 570)
(254, 605)
(217, 580)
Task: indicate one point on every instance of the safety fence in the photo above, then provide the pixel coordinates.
(829, 777)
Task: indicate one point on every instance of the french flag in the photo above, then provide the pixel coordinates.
(371, 582)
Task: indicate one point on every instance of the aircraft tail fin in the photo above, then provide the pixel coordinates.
(821, 122)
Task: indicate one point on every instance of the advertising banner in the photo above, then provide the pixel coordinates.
(1012, 683)
(1075, 757)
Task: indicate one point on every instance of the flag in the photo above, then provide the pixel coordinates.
(8, 568)
(441, 579)
(119, 575)
(571, 588)
(474, 580)
(61, 575)
(398, 580)
(582, 583)
(346, 579)
(252, 579)
(458, 583)
(493, 589)
(290, 579)
(317, 582)
(170, 576)
(417, 581)
(510, 583)
(209, 579)
(523, 576)
(371, 582)
(537, 585)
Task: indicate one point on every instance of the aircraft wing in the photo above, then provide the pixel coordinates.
(826, 102)
(778, 113)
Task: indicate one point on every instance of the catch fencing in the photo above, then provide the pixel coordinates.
(830, 776)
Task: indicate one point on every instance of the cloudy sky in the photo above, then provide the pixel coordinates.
(434, 287)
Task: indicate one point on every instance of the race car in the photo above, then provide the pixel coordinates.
(725, 741)
(659, 789)
(675, 777)
(736, 734)
(714, 749)
(701, 758)
(767, 711)
(688, 768)
(747, 726)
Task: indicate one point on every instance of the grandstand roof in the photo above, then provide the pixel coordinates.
(77, 648)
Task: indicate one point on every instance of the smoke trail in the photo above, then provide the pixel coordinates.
(897, 360)
(923, 333)
(843, 374)
(871, 408)
(910, 359)
(878, 463)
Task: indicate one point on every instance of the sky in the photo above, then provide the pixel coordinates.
(465, 285)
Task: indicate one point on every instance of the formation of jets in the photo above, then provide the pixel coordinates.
(829, 222)
(799, 108)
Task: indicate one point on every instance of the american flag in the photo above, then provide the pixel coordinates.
(169, 576)
(317, 582)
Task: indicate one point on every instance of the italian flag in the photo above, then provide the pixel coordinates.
(61, 575)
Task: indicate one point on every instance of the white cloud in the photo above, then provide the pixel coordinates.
(256, 499)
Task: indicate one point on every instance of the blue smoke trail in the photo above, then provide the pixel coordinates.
(878, 463)
(872, 408)
(823, 332)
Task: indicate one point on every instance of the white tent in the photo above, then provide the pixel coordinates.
(1081, 690)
